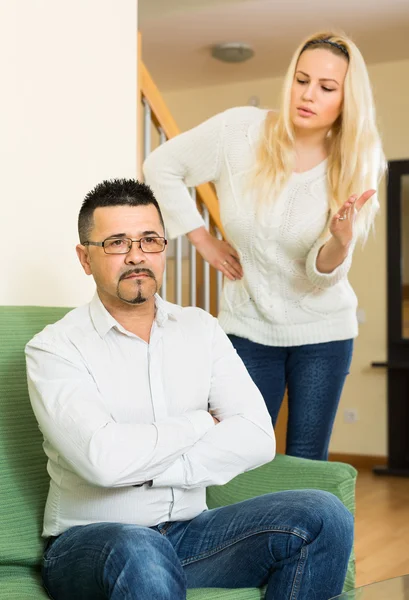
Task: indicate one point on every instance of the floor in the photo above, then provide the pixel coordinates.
(381, 527)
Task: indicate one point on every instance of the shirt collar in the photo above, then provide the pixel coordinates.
(103, 320)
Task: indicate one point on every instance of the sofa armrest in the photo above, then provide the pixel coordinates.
(288, 473)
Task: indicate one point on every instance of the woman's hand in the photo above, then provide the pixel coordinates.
(218, 253)
(334, 252)
(342, 224)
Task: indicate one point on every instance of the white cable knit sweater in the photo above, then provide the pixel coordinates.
(282, 300)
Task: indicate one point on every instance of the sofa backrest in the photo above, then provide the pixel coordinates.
(23, 476)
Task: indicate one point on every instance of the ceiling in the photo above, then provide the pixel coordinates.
(177, 35)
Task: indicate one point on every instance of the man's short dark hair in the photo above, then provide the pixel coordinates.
(114, 192)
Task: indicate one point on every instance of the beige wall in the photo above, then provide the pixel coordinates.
(68, 111)
(365, 389)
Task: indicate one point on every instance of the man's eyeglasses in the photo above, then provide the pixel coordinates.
(122, 245)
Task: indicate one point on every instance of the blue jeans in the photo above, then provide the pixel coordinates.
(297, 543)
(314, 375)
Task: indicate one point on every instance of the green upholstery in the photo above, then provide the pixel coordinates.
(24, 479)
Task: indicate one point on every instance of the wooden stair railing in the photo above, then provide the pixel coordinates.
(154, 115)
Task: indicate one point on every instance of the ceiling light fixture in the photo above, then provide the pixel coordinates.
(232, 52)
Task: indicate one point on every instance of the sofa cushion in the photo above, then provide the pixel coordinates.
(21, 583)
(23, 476)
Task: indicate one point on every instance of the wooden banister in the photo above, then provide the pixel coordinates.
(163, 119)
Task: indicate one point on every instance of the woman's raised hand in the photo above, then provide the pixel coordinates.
(342, 223)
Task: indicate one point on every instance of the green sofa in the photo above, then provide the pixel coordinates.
(24, 479)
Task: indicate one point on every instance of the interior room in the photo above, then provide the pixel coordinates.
(92, 89)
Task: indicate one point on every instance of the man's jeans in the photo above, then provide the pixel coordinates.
(297, 543)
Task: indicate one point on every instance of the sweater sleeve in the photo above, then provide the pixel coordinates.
(327, 280)
(188, 160)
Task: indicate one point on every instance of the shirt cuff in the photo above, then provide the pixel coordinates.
(174, 476)
(201, 421)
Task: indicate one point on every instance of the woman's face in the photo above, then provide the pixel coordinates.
(317, 92)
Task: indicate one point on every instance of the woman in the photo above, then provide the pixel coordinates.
(296, 193)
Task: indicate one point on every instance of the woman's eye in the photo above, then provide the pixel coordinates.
(327, 89)
(302, 81)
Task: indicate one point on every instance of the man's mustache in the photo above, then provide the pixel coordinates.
(147, 272)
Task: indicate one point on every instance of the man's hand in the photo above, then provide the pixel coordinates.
(216, 421)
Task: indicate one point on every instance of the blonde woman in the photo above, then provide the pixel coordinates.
(297, 190)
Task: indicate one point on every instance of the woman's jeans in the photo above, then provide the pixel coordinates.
(314, 375)
(297, 543)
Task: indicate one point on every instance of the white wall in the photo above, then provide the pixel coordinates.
(68, 121)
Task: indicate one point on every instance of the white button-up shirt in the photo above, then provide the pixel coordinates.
(116, 411)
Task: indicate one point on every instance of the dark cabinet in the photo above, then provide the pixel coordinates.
(397, 364)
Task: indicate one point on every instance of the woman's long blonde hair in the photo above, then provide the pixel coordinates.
(355, 162)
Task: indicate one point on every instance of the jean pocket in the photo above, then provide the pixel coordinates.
(164, 528)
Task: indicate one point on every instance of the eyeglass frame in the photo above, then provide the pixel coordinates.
(101, 244)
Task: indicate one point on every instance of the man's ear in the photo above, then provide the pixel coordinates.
(83, 255)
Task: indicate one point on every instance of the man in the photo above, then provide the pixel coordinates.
(143, 404)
